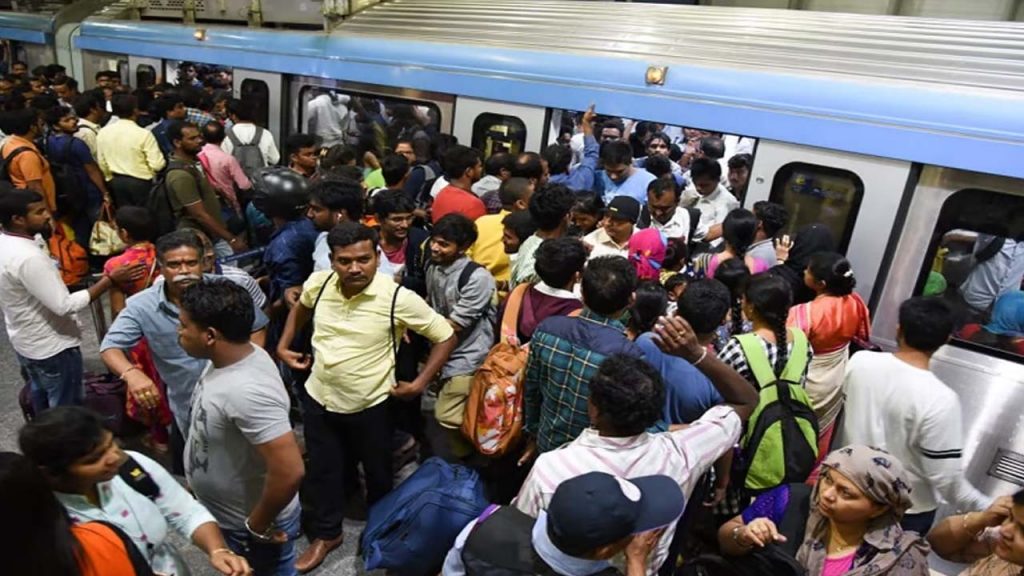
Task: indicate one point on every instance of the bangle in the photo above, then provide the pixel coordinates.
(703, 355)
(224, 550)
(125, 373)
(968, 530)
(264, 537)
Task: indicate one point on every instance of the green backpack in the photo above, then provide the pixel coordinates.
(781, 442)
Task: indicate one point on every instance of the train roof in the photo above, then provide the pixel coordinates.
(943, 92)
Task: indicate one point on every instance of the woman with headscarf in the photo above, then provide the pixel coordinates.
(1005, 328)
(794, 257)
(853, 519)
(647, 252)
(992, 539)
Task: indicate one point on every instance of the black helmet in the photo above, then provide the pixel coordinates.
(280, 191)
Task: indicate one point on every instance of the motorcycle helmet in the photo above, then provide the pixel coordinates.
(280, 192)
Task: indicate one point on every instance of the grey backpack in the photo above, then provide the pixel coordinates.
(249, 155)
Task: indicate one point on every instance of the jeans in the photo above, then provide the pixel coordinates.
(268, 559)
(56, 381)
(335, 442)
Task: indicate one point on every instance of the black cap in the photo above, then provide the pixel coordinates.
(625, 208)
(597, 509)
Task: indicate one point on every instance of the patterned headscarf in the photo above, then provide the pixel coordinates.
(647, 252)
(887, 549)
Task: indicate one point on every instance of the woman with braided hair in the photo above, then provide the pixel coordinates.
(738, 231)
(735, 275)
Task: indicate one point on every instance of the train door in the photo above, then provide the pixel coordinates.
(265, 90)
(144, 71)
(855, 196)
(491, 126)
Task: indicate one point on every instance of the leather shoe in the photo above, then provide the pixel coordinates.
(314, 555)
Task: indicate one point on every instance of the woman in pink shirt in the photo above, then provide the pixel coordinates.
(852, 520)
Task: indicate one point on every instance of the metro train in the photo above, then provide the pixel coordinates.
(893, 131)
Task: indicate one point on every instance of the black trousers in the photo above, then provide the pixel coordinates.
(335, 442)
(129, 191)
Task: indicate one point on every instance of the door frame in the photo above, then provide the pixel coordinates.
(468, 109)
(275, 87)
(135, 61)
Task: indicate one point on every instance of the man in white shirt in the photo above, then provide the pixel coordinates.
(39, 312)
(895, 403)
(707, 194)
(627, 396)
(666, 215)
(328, 118)
(243, 116)
(612, 239)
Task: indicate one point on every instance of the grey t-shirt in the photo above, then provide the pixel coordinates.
(234, 409)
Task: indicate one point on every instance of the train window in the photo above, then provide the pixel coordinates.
(369, 122)
(145, 76)
(819, 194)
(199, 75)
(494, 133)
(976, 262)
(257, 92)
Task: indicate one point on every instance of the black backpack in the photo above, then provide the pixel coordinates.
(71, 198)
(159, 202)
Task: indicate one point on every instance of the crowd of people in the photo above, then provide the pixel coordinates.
(689, 382)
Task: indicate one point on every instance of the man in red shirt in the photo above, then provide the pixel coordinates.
(462, 167)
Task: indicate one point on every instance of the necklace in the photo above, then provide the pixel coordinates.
(837, 545)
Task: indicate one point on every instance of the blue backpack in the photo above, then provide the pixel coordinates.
(410, 530)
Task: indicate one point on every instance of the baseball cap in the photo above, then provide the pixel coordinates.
(624, 207)
(597, 509)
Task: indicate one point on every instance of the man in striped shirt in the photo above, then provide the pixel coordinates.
(627, 396)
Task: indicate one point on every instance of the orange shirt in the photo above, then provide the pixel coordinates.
(103, 553)
(451, 199)
(29, 166)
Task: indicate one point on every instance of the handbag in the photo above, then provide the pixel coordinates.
(104, 240)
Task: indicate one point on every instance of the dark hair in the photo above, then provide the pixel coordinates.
(612, 123)
(616, 152)
(676, 253)
(772, 215)
(245, 110)
(835, 271)
(183, 238)
(103, 74)
(659, 166)
(56, 114)
(213, 132)
(68, 81)
(650, 302)
(497, 162)
(608, 282)
(123, 105)
(223, 305)
(297, 142)
(137, 221)
(338, 155)
(176, 130)
(657, 136)
(739, 229)
(521, 224)
(628, 393)
(558, 157)
(513, 190)
(57, 438)
(734, 275)
(674, 281)
(455, 228)
(20, 121)
(348, 233)
(1018, 498)
(44, 543)
(388, 202)
(741, 161)
(589, 203)
(550, 205)
(660, 186)
(343, 172)
(166, 103)
(770, 297)
(458, 159)
(558, 260)
(394, 167)
(85, 103)
(713, 147)
(337, 194)
(15, 202)
(528, 165)
(705, 168)
(704, 305)
(926, 323)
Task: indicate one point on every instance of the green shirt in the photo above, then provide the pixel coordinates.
(189, 186)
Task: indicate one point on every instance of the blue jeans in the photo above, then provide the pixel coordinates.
(56, 381)
(269, 559)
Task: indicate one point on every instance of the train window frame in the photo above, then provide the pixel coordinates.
(303, 104)
(485, 120)
(786, 171)
(145, 69)
(261, 96)
(953, 217)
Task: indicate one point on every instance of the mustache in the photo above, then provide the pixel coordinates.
(187, 278)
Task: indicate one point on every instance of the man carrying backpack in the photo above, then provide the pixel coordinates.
(23, 164)
(252, 145)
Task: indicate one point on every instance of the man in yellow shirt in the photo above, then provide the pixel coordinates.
(128, 154)
(488, 251)
(358, 320)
